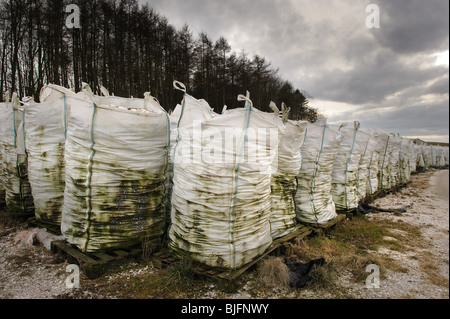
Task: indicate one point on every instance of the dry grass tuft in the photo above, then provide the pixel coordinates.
(273, 272)
(432, 271)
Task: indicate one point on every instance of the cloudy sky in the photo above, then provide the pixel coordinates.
(395, 77)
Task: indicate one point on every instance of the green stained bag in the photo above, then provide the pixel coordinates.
(18, 198)
(116, 155)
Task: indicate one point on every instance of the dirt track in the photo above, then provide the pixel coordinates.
(33, 272)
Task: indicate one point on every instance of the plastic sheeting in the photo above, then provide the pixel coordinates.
(284, 177)
(221, 184)
(18, 197)
(314, 202)
(45, 131)
(115, 165)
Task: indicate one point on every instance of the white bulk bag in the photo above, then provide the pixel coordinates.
(313, 200)
(427, 155)
(385, 144)
(406, 153)
(2, 188)
(373, 166)
(284, 176)
(362, 177)
(221, 184)
(115, 164)
(174, 116)
(441, 157)
(446, 156)
(395, 162)
(344, 177)
(45, 132)
(18, 197)
(414, 157)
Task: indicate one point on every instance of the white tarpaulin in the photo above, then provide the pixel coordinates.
(115, 164)
(314, 202)
(221, 183)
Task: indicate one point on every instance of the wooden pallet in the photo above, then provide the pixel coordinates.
(33, 222)
(371, 197)
(228, 279)
(93, 265)
(329, 224)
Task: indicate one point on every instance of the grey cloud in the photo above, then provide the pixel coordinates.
(411, 26)
(325, 49)
(440, 86)
(373, 81)
(418, 119)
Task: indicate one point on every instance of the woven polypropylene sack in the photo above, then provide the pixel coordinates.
(2, 187)
(385, 144)
(346, 167)
(419, 163)
(427, 156)
(18, 197)
(406, 153)
(45, 133)
(373, 166)
(115, 165)
(313, 200)
(394, 173)
(284, 179)
(221, 184)
(362, 178)
(446, 156)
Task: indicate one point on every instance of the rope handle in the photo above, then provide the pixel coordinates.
(243, 98)
(104, 91)
(179, 86)
(149, 99)
(285, 111)
(15, 101)
(57, 88)
(274, 108)
(87, 89)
